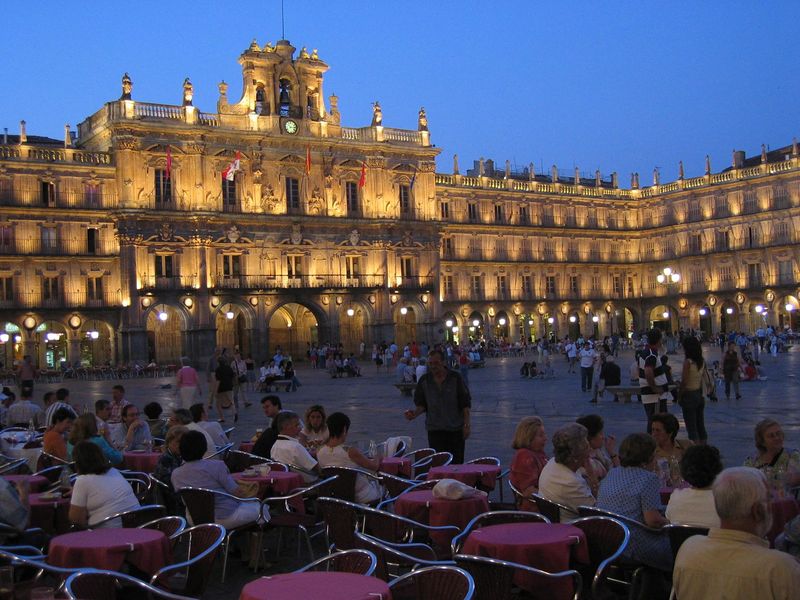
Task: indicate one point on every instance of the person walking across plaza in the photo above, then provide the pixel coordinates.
(652, 377)
(587, 356)
(730, 371)
(445, 399)
(690, 392)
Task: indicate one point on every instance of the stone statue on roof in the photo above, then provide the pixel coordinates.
(188, 92)
(127, 87)
(377, 114)
(422, 120)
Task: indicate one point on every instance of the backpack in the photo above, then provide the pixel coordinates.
(707, 383)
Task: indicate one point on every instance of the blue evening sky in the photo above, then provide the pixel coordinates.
(622, 86)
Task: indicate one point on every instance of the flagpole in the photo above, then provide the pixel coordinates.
(283, 32)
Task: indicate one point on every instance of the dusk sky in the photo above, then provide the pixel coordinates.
(619, 86)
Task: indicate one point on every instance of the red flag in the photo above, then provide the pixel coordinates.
(362, 181)
(169, 162)
(232, 168)
(308, 160)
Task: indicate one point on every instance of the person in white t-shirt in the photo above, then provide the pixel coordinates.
(335, 454)
(288, 450)
(695, 505)
(587, 356)
(212, 428)
(100, 491)
(572, 354)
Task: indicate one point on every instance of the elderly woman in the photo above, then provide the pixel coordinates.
(633, 490)
(214, 475)
(529, 458)
(167, 463)
(315, 430)
(780, 465)
(335, 454)
(664, 429)
(85, 429)
(100, 490)
(603, 453)
(560, 481)
(187, 384)
(695, 505)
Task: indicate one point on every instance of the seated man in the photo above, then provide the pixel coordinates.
(271, 405)
(23, 411)
(134, 433)
(735, 561)
(181, 416)
(14, 506)
(288, 450)
(214, 475)
(212, 428)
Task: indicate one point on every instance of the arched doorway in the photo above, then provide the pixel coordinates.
(727, 317)
(501, 326)
(231, 325)
(450, 329)
(165, 329)
(51, 344)
(661, 317)
(292, 327)
(704, 312)
(475, 326)
(788, 317)
(95, 343)
(549, 322)
(405, 325)
(353, 329)
(574, 326)
(11, 349)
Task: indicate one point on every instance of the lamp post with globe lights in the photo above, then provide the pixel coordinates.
(669, 278)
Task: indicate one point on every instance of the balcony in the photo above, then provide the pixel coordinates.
(34, 197)
(279, 282)
(179, 282)
(54, 247)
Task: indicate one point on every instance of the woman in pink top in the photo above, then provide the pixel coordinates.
(187, 384)
(529, 459)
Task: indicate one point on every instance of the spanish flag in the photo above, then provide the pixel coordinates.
(362, 181)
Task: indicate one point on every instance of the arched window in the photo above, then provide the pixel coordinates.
(262, 106)
(285, 99)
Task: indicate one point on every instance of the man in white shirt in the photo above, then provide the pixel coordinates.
(182, 416)
(586, 356)
(23, 411)
(289, 451)
(735, 561)
(212, 428)
(572, 354)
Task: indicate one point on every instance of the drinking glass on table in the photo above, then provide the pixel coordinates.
(7, 583)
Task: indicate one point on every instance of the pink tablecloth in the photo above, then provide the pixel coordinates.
(395, 465)
(423, 507)
(36, 482)
(144, 462)
(485, 475)
(328, 585)
(549, 547)
(51, 514)
(146, 549)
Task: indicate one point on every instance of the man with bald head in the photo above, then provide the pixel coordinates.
(735, 561)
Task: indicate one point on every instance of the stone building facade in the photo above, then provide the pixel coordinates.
(160, 231)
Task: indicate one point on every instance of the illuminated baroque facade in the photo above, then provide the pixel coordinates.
(127, 242)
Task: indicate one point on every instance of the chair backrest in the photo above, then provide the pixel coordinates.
(15, 466)
(340, 519)
(493, 578)
(52, 474)
(199, 504)
(607, 539)
(355, 560)
(46, 460)
(440, 582)
(394, 558)
(344, 486)
(632, 524)
(171, 526)
(93, 584)
(416, 455)
(203, 545)
(497, 517)
(401, 448)
(437, 459)
(396, 485)
(143, 514)
(680, 533)
(551, 510)
(484, 460)
(140, 482)
(237, 461)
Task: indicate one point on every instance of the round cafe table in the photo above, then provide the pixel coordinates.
(396, 465)
(144, 462)
(316, 584)
(471, 474)
(422, 506)
(550, 547)
(50, 513)
(36, 482)
(146, 549)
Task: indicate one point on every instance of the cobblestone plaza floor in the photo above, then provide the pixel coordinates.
(500, 398)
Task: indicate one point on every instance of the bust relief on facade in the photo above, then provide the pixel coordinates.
(233, 234)
(315, 204)
(354, 237)
(166, 232)
(297, 234)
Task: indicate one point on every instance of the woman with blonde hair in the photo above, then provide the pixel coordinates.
(781, 465)
(529, 458)
(85, 430)
(315, 431)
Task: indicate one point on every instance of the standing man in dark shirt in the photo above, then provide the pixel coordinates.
(445, 399)
(225, 375)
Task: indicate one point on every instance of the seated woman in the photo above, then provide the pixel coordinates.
(750, 372)
(158, 426)
(560, 481)
(335, 454)
(603, 454)
(669, 450)
(100, 490)
(633, 490)
(781, 465)
(167, 463)
(214, 430)
(315, 430)
(529, 459)
(54, 441)
(695, 505)
(214, 475)
(85, 429)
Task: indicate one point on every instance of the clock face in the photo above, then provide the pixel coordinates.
(290, 127)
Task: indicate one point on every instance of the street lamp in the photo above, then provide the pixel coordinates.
(501, 321)
(668, 277)
(449, 323)
(703, 312)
